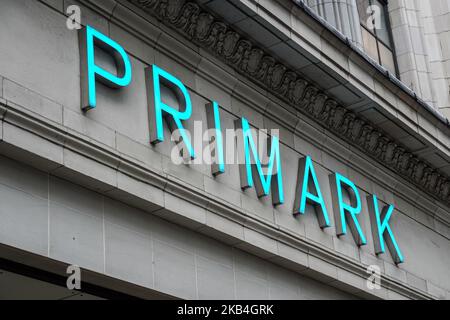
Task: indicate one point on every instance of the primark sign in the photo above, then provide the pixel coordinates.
(260, 170)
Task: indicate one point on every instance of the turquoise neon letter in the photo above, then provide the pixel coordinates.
(90, 72)
(307, 180)
(381, 230)
(158, 75)
(263, 184)
(344, 211)
(213, 119)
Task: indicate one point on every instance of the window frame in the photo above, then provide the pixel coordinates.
(391, 45)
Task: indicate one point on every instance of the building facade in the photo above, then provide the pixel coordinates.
(118, 118)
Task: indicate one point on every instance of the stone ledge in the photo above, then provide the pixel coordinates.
(254, 228)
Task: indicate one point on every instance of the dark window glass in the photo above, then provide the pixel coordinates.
(377, 40)
(370, 44)
(383, 31)
(362, 9)
(387, 58)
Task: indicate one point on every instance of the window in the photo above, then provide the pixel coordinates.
(376, 33)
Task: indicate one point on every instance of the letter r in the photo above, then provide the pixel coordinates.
(346, 212)
(156, 76)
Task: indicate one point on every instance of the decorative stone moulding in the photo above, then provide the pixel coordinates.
(206, 30)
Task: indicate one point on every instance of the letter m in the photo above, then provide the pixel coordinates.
(251, 169)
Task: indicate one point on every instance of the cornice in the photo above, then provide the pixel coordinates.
(374, 64)
(203, 28)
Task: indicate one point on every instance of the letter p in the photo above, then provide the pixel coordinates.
(90, 72)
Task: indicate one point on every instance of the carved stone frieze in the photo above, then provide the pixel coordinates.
(204, 29)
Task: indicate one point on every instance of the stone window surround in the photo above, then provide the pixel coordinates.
(383, 71)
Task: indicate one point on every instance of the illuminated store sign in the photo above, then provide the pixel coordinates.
(346, 200)
(90, 71)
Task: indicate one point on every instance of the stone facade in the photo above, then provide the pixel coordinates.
(421, 32)
(89, 188)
